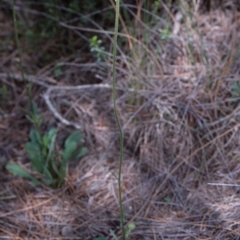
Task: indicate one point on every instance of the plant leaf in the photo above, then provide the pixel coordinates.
(67, 153)
(79, 152)
(35, 137)
(71, 151)
(29, 118)
(73, 137)
(35, 155)
(62, 172)
(54, 167)
(49, 181)
(33, 108)
(50, 156)
(52, 133)
(18, 171)
(32, 149)
(47, 172)
(45, 141)
(113, 234)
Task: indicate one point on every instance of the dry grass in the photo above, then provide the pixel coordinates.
(181, 128)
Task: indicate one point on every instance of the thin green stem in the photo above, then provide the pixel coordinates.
(114, 95)
(19, 51)
(17, 39)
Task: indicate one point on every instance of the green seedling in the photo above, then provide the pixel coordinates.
(168, 200)
(165, 34)
(155, 6)
(57, 71)
(128, 229)
(96, 48)
(34, 117)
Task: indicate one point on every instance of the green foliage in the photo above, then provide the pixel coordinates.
(21, 172)
(34, 117)
(96, 48)
(114, 235)
(168, 200)
(57, 71)
(165, 34)
(155, 6)
(44, 158)
(129, 228)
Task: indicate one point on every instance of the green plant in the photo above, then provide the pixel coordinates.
(129, 228)
(96, 48)
(43, 156)
(155, 6)
(165, 34)
(167, 199)
(57, 71)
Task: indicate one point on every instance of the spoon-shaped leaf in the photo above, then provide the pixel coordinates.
(18, 171)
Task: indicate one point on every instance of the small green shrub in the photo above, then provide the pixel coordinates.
(96, 48)
(43, 156)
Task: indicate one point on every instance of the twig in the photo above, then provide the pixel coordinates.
(224, 184)
(46, 97)
(37, 80)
